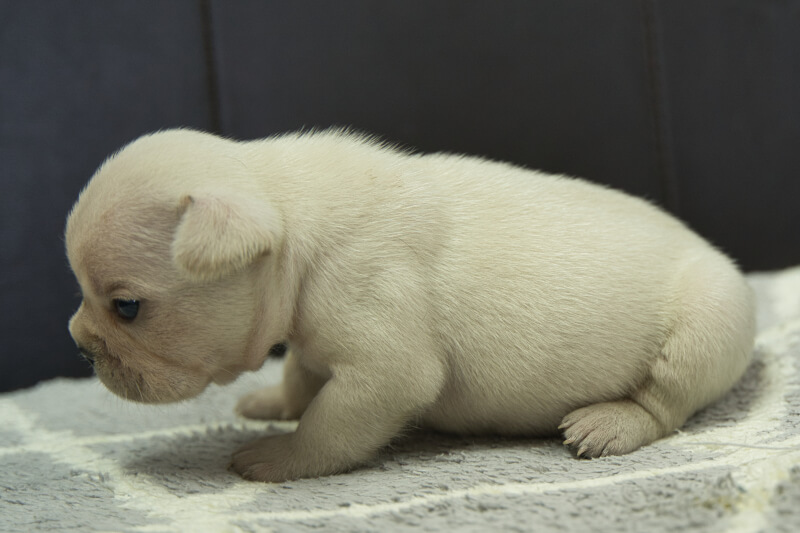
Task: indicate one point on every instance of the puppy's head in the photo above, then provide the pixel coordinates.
(169, 248)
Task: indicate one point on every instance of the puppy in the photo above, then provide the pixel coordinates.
(448, 292)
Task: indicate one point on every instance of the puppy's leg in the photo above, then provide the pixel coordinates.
(357, 412)
(705, 354)
(286, 401)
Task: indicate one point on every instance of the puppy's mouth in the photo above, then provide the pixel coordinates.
(93, 349)
(161, 384)
(87, 354)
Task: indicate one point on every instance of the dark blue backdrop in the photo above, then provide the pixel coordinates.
(691, 104)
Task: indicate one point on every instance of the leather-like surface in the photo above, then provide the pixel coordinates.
(77, 81)
(692, 105)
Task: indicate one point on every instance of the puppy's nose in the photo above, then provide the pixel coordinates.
(86, 355)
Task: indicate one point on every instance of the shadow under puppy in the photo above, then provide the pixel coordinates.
(455, 293)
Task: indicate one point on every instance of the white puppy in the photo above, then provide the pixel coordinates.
(450, 292)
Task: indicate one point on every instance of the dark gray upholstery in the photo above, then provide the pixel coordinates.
(77, 80)
(530, 82)
(693, 105)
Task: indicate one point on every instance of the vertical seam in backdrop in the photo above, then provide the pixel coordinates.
(212, 77)
(662, 137)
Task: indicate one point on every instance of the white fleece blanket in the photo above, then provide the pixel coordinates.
(73, 457)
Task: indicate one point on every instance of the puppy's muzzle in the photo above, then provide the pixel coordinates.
(86, 354)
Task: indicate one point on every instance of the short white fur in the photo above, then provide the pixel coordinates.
(450, 292)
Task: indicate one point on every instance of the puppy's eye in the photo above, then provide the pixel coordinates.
(127, 309)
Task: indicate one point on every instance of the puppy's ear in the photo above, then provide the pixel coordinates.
(220, 234)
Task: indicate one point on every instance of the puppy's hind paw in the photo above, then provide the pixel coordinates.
(611, 428)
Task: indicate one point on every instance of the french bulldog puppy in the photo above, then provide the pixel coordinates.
(441, 291)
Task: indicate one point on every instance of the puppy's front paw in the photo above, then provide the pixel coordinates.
(611, 428)
(269, 459)
(264, 404)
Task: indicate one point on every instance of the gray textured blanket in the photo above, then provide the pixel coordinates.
(73, 457)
